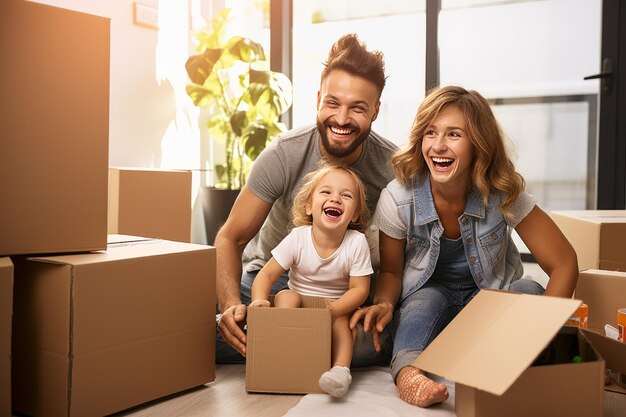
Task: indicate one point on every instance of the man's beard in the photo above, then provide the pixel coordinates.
(339, 152)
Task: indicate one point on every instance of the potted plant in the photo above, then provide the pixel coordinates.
(244, 100)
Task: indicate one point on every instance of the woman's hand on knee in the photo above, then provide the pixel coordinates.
(375, 317)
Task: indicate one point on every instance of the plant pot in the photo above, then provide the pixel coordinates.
(216, 205)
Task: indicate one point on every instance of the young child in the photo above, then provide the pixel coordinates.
(445, 232)
(327, 255)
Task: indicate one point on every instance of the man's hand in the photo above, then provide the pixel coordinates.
(229, 326)
(246, 217)
(375, 318)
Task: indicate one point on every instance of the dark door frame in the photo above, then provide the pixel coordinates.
(611, 175)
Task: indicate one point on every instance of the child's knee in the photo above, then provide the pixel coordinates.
(287, 299)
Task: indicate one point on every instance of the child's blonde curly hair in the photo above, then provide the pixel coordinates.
(311, 180)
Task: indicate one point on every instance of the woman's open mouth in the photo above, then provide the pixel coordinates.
(442, 163)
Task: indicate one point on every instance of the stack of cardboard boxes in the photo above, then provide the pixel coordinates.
(598, 237)
(91, 322)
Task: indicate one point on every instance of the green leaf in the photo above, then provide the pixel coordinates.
(244, 49)
(260, 77)
(199, 67)
(255, 139)
(281, 92)
(268, 88)
(221, 174)
(238, 122)
(204, 97)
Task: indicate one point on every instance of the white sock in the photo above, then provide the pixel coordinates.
(336, 381)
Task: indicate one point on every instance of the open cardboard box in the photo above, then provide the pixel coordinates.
(604, 292)
(288, 349)
(489, 350)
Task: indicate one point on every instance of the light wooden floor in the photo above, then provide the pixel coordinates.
(224, 397)
(227, 397)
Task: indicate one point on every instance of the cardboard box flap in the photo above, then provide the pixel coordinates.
(122, 251)
(595, 216)
(604, 292)
(113, 239)
(495, 338)
(612, 351)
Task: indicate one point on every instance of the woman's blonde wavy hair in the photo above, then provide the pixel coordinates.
(299, 217)
(492, 170)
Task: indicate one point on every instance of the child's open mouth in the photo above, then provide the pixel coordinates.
(333, 212)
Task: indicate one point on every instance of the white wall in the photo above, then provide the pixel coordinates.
(140, 106)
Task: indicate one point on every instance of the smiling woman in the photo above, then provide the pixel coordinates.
(446, 223)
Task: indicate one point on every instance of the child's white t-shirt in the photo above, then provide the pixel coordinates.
(309, 274)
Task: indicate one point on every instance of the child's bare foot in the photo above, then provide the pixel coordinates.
(416, 388)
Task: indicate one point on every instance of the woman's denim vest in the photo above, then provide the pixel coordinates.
(492, 256)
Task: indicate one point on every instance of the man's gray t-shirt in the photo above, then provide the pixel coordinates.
(277, 175)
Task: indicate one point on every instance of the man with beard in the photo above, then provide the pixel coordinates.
(347, 103)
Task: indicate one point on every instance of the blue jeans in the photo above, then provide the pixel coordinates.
(424, 314)
(363, 354)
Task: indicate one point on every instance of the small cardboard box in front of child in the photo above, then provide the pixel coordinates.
(288, 349)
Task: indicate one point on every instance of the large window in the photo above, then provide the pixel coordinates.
(530, 58)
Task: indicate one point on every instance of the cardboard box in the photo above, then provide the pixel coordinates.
(6, 316)
(150, 202)
(288, 348)
(604, 292)
(55, 129)
(98, 333)
(598, 236)
(488, 350)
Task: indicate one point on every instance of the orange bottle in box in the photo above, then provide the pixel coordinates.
(621, 324)
(579, 318)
